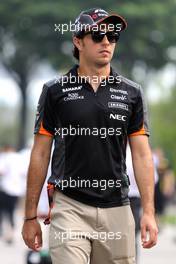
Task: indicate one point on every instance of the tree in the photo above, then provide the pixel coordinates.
(163, 126)
(27, 37)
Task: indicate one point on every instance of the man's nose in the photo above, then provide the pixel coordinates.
(105, 40)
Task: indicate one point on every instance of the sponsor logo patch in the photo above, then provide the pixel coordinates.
(69, 89)
(73, 96)
(118, 105)
(117, 117)
(118, 97)
(112, 90)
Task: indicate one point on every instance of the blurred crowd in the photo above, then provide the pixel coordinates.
(13, 175)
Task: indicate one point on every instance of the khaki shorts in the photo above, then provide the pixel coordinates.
(81, 234)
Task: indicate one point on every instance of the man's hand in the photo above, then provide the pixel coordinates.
(32, 234)
(148, 225)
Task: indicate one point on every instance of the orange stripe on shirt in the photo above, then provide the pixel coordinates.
(43, 131)
(142, 131)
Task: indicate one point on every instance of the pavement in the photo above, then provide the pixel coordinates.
(163, 253)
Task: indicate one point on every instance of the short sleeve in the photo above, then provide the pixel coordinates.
(138, 123)
(44, 121)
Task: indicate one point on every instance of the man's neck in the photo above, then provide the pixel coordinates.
(94, 73)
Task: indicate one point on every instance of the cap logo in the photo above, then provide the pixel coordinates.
(102, 14)
(100, 10)
(94, 16)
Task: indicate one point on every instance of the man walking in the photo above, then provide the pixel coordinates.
(90, 112)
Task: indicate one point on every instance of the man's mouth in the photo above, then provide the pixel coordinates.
(105, 51)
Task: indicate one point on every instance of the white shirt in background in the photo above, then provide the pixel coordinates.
(11, 174)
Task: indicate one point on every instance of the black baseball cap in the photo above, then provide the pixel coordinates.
(94, 16)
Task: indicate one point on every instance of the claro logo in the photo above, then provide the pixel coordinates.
(117, 117)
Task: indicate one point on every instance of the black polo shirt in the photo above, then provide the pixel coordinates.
(90, 131)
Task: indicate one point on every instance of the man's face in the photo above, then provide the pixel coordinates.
(98, 53)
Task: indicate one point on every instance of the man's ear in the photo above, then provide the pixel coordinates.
(77, 42)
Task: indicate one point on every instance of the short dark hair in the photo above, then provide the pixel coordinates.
(75, 49)
(76, 52)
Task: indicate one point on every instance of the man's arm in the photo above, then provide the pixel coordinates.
(144, 174)
(37, 172)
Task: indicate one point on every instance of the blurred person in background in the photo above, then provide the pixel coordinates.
(11, 188)
(165, 187)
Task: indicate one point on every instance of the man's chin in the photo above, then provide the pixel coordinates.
(103, 62)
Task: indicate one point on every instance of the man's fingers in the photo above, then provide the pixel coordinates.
(149, 231)
(30, 241)
(32, 235)
(143, 234)
(34, 241)
(38, 241)
(152, 239)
